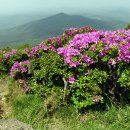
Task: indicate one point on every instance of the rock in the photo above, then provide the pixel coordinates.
(13, 124)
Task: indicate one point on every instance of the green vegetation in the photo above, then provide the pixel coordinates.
(33, 110)
(127, 27)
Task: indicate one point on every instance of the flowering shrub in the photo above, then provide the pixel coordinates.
(8, 58)
(108, 52)
(21, 67)
(20, 71)
(34, 51)
(68, 34)
(89, 67)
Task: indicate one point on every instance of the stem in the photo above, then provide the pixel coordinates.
(65, 88)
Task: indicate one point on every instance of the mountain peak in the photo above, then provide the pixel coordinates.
(61, 14)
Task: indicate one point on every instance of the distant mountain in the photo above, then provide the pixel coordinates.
(120, 15)
(57, 23)
(48, 27)
(9, 21)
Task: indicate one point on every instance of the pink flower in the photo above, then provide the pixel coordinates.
(26, 89)
(67, 60)
(112, 62)
(73, 64)
(21, 81)
(101, 53)
(87, 59)
(26, 50)
(71, 79)
(92, 48)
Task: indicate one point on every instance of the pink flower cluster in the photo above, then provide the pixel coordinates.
(19, 67)
(68, 53)
(24, 85)
(124, 52)
(54, 39)
(73, 31)
(61, 40)
(87, 60)
(58, 41)
(117, 41)
(8, 54)
(35, 50)
(83, 40)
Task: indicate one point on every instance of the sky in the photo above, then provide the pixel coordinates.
(55, 6)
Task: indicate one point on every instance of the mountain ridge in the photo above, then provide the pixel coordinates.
(49, 27)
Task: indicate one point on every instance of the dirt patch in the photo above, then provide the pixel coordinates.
(13, 124)
(5, 110)
(3, 93)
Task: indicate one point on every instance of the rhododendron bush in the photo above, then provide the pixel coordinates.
(89, 67)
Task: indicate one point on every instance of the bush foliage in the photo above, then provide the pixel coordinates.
(86, 67)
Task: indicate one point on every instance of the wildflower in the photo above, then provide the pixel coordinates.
(87, 60)
(71, 79)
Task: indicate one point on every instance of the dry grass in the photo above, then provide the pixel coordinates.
(7, 94)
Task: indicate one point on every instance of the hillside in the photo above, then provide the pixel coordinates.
(57, 23)
(48, 27)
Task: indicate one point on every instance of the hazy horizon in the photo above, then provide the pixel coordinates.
(18, 18)
(14, 7)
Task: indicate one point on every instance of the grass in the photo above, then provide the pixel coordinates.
(31, 109)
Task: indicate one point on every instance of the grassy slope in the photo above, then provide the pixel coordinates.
(32, 110)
